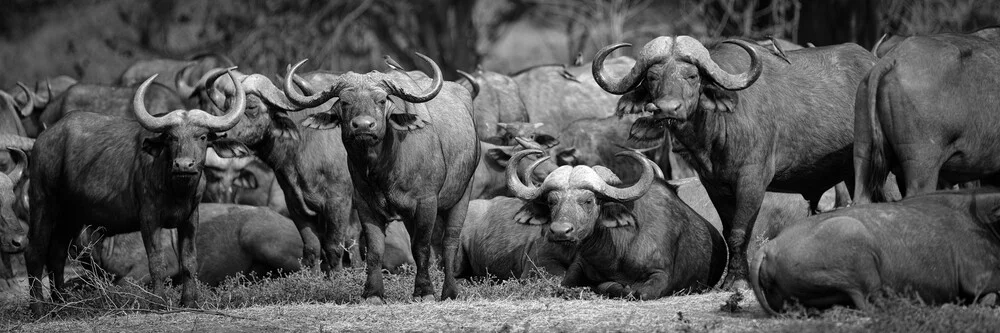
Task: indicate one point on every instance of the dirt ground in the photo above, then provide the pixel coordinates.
(695, 313)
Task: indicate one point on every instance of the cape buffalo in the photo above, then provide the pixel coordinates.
(943, 82)
(123, 175)
(12, 234)
(179, 75)
(108, 100)
(410, 156)
(489, 181)
(231, 240)
(783, 124)
(10, 122)
(944, 246)
(40, 98)
(310, 165)
(641, 240)
(498, 102)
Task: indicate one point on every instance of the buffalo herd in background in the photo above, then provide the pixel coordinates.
(191, 170)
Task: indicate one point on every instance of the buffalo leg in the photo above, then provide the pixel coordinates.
(374, 228)
(921, 167)
(652, 288)
(423, 229)
(336, 217)
(738, 212)
(154, 253)
(36, 257)
(310, 242)
(188, 260)
(57, 261)
(454, 220)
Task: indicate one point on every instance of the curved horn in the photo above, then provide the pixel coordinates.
(268, 91)
(636, 190)
(303, 85)
(624, 85)
(29, 105)
(697, 52)
(472, 81)
(425, 95)
(16, 141)
(180, 81)
(524, 192)
(48, 87)
(208, 79)
(312, 100)
(529, 173)
(877, 44)
(20, 162)
(148, 121)
(232, 116)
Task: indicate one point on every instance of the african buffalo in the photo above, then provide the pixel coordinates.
(12, 234)
(179, 75)
(498, 102)
(639, 241)
(489, 181)
(40, 98)
(310, 165)
(244, 181)
(943, 82)
(780, 125)
(942, 245)
(107, 100)
(231, 240)
(556, 95)
(10, 122)
(410, 156)
(123, 175)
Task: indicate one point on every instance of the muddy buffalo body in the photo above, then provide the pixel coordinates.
(776, 125)
(232, 241)
(943, 246)
(411, 154)
(123, 175)
(926, 113)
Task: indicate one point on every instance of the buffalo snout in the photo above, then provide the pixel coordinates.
(185, 165)
(15, 244)
(363, 123)
(561, 232)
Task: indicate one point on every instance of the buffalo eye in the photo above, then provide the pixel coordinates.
(587, 201)
(553, 201)
(203, 137)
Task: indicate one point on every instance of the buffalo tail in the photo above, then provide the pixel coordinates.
(878, 163)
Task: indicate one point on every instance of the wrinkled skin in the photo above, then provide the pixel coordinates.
(498, 102)
(943, 246)
(231, 240)
(389, 141)
(124, 176)
(554, 100)
(945, 136)
(757, 138)
(494, 245)
(310, 165)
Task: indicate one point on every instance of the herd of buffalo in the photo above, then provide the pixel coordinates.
(191, 170)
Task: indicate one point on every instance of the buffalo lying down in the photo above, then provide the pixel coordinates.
(944, 246)
(231, 240)
(641, 240)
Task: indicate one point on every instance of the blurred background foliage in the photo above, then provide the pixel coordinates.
(95, 40)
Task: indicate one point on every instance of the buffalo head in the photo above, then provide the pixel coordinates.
(674, 77)
(224, 176)
(266, 110)
(12, 232)
(364, 105)
(572, 200)
(529, 131)
(185, 134)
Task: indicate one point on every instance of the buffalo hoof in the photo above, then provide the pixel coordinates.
(424, 298)
(373, 300)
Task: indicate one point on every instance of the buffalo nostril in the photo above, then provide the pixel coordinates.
(17, 242)
(371, 125)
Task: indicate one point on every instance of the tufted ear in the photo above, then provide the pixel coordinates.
(405, 116)
(229, 148)
(154, 145)
(546, 140)
(566, 157)
(717, 99)
(246, 180)
(283, 127)
(322, 121)
(632, 102)
(532, 213)
(615, 215)
(498, 157)
(646, 129)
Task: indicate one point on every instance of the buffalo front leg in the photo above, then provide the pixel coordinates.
(311, 250)
(36, 257)
(154, 253)
(57, 261)
(423, 228)
(188, 259)
(454, 219)
(336, 215)
(738, 212)
(374, 228)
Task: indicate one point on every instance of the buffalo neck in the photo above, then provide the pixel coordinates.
(159, 178)
(373, 163)
(276, 151)
(701, 134)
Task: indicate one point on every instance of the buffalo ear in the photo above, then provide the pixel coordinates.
(498, 157)
(566, 157)
(632, 102)
(717, 99)
(322, 121)
(532, 213)
(229, 148)
(154, 146)
(246, 180)
(547, 140)
(283, 127)
(615, 215)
